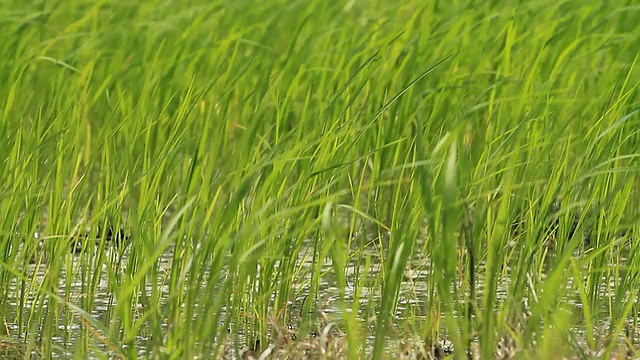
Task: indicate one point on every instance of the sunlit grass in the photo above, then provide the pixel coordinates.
(322, 178)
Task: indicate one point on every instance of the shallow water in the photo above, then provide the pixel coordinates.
(413, 299)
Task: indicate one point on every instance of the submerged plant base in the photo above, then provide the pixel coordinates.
(331, 342)
(337, 347)
(10, 350)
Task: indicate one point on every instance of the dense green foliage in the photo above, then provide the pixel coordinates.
(410, 171)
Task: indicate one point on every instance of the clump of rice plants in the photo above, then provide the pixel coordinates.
(319, 179)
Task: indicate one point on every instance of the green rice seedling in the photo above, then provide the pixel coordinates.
(289, 179)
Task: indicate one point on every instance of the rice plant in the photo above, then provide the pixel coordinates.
(319, 179)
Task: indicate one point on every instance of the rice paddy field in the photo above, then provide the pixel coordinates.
(385, 179)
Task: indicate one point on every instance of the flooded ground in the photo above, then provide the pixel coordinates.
(104, 301)
(412, 298)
